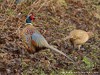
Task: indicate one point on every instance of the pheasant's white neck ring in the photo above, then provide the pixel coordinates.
(28, 24)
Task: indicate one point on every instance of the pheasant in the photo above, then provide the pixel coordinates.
(33, 39)
(78, 37)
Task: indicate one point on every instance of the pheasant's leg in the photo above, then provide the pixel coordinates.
(29, 50)
(33, 49)
(72, 43)
(79, 46)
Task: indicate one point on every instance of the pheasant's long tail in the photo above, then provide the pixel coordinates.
(52, 48)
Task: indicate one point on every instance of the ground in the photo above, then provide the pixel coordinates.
(57, 18)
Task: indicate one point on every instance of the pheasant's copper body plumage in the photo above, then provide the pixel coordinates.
(27, 38)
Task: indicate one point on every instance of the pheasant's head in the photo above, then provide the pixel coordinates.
(30, 18)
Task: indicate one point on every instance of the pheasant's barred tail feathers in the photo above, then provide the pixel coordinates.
(52, 48)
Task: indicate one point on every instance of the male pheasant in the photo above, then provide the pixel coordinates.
(33, 39)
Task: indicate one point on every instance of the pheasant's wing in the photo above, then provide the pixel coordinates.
(26, 38)
(39, 39)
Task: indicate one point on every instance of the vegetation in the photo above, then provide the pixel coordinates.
(57, 18)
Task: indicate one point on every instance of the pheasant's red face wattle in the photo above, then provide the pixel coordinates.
(32, 17)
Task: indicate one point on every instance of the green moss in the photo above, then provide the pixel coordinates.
(10, 12)
(62, 2)
(88, 62)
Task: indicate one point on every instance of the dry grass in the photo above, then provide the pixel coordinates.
(58, 18)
